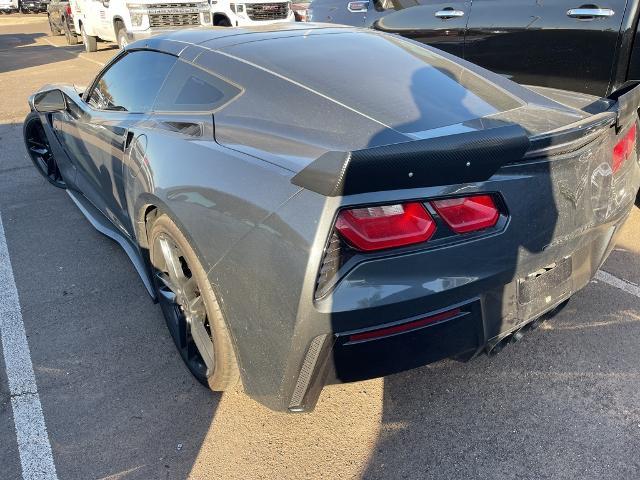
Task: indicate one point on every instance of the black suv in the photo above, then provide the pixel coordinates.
(33, 6)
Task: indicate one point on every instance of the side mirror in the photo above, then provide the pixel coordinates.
(50, 101)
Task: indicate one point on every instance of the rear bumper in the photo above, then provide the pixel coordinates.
(480, 320)
(564, 215)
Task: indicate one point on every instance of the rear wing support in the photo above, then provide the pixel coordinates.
(628, 101)
(448, 160)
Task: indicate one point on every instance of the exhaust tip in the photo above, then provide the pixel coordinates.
(497, 348)
(516, 337)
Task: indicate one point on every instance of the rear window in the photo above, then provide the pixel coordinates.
(402, 85)
(191, 89)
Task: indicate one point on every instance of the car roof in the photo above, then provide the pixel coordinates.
(176, 41)
(395, 82)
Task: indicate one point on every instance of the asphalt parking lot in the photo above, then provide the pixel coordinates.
(119, 404)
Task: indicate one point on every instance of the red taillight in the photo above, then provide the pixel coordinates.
(68, 10)
(623, 149)
(468, 214)
(386, 226)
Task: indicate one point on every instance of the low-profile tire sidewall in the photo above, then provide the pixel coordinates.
(225, 374)
(35, 117)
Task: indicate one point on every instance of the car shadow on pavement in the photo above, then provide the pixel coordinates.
(35, 53)
(528, 412)
(32, 53)
(117, 399)
(560, 404)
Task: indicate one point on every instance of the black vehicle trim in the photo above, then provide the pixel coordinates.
(106, 227)
(463, 158)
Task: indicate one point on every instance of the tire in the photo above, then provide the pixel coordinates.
(223, 22)
(194, 289)
(121, 37)
(90, 42)
(54, 30)
(39, 150)
(72, 38)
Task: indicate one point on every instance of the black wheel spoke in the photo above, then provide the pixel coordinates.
(183, 330)
(167, 294)
(183, 305)
(40, 152)
(197, 309)
(203, 341)
(172, 263)
(51, 167)
(165, 282)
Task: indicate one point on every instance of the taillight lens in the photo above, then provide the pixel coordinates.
(468, 214)
(623, 149)
(379, 227)
(68, 10)
(385, 226)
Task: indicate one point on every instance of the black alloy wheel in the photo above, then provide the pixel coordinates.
(40, 152)
(183, 307)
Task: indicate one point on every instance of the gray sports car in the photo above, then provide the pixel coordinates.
(314, 204)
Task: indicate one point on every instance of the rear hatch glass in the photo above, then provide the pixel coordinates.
(395, 82)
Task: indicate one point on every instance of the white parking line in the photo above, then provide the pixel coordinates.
(91, 60)
(614, 281)
(64, 48)
(36, 458)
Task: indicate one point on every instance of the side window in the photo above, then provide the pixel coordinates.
(132, 83)
(191, 89)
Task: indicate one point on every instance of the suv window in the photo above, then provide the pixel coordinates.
(132, 83)
(191, 89)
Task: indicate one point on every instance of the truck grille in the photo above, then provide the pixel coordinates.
(267, 11)
(174, 20)
(174, 5)
(157, 18)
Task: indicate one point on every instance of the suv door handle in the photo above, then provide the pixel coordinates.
(447, 13)
(584, 13)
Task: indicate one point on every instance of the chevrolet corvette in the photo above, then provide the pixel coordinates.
(313, 204)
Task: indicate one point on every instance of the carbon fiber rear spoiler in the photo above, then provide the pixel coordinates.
(452, 159)
(628, 101)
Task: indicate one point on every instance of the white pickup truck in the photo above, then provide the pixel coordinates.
(123, 21)
(228, 13)
(9, 6)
